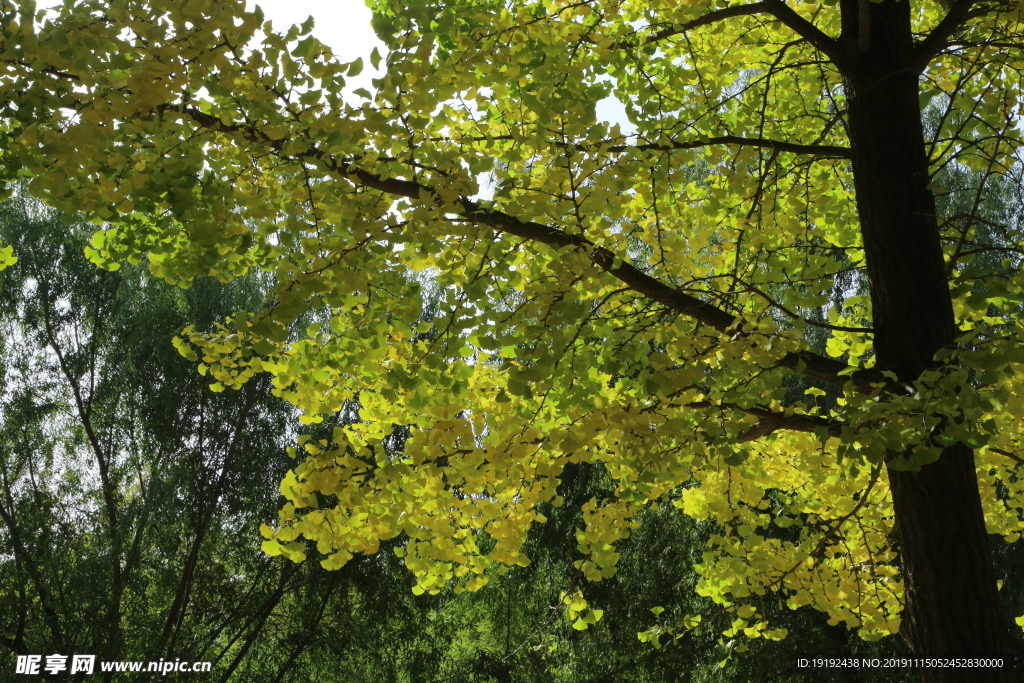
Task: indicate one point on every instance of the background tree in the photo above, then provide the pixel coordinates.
(558, 341)
(129, 502)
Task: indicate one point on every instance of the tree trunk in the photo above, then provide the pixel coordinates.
(952, 607)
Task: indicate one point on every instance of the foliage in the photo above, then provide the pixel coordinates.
(639, 298)
(653, 589)
(130, 494)
(361, 625)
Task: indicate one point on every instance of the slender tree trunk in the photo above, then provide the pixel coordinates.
(309, 630)
(952, 607)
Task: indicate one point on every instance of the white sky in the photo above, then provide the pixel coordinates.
(344, 25)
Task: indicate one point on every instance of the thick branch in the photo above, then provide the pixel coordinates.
(833, 151)
(1016, 458)
(808, 31)
(804, 362)
(830, 151)
(770, 421)
(536, 232)
(959, 13)
(776, 8)
(707, 20)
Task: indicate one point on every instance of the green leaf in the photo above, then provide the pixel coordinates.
(305, 47)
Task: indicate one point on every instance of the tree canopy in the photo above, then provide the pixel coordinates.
(142, 543)
(784, 298)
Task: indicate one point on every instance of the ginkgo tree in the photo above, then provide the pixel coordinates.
(748, 301)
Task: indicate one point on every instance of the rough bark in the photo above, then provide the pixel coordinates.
(952, 606)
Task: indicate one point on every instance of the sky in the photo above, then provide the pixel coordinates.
(344, 25)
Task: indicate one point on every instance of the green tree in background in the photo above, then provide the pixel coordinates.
(131, 493)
